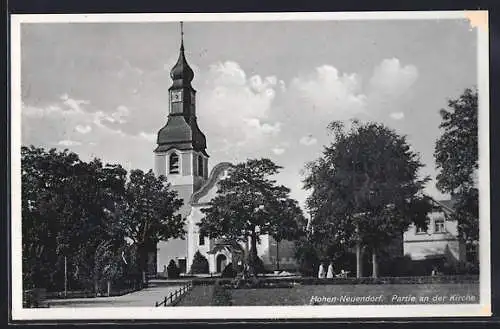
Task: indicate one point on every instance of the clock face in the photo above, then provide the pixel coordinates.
(176, 96)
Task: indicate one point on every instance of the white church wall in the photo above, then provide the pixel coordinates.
(160, 166)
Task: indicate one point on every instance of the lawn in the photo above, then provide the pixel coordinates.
(198, 296)
(346, 294)
(442, 293)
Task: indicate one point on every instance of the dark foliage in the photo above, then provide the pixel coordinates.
(200, 264)
(228, 271)
(249, 203)
(78, 215)
(173, 270)
(456, 154)
(366, 189)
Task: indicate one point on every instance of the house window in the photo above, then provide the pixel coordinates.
(200, 165)
(173, 164)
(439, 226)
(201, 241)
(422, 230)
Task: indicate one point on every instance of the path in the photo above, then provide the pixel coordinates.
(146, 297)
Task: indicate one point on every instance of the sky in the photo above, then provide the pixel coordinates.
(264, 89)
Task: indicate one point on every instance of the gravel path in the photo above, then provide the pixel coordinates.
(146, 297)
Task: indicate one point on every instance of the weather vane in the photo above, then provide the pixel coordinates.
(182, 32)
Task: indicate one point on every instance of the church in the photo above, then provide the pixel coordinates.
(181, 155)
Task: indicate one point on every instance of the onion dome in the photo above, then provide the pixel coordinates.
(181, 73)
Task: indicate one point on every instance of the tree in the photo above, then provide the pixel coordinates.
(200, 264)
(173, 271)
(248, 204)
(147, 213)
(66, 204)
(290, 224)
(365, 189)
(456, 154)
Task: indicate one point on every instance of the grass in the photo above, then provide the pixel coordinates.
(440, 293)
(408, 293)
(198, 296)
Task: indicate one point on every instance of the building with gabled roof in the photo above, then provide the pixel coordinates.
(440, 240)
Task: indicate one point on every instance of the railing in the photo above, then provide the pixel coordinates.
(174, 297)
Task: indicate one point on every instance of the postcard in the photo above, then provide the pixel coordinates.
(250, 166)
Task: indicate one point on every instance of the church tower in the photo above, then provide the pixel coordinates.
(181, 153)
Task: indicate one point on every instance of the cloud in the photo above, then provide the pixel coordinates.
(397, 115)
(333, 94)
(278, 150)
(51, 126)
(147, 136)
(68, 142)
(391, 78)
(120, 114)
(263, 128)
(74, 105)
(231, 103)
(308, 140)
(83, 129)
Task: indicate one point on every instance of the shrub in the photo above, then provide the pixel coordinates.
(228, 271)
(259, 267)
(307, 257)
(200, 264)
(221, 296)
(459, 268)
(173, 271)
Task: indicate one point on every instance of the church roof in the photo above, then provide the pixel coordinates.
(178, 133)
(213, 178)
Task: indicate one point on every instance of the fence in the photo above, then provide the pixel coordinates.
(174, 297)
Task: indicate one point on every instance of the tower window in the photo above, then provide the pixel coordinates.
(200, 165)
(201, 239)
(173, 164)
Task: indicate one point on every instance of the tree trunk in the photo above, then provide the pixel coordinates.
(142, 254)
(359, 260)
(253, 252)
(277, 255)
(374, 264)
(109, 288)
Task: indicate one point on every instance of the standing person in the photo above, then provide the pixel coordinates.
(321, 272)
(329, 274)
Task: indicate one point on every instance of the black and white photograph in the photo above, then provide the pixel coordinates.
(247, 166)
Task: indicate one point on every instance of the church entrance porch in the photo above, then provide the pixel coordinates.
(221, 262)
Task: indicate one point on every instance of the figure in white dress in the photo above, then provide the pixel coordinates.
(329, 274)
(321, 272)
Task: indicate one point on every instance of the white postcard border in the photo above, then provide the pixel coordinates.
(248, 312)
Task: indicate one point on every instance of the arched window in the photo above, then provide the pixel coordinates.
(200, 165)
(173, 164)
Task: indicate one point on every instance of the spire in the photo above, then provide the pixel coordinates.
(182, 36)
(181, 73)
